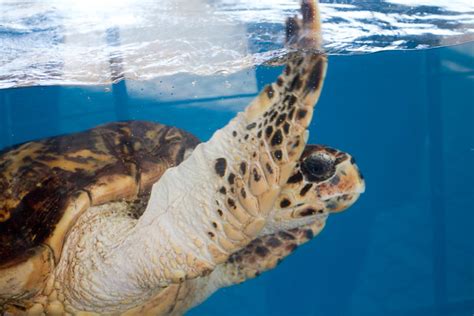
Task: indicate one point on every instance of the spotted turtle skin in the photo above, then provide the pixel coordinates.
(39, 179)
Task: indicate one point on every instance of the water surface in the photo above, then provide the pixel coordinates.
(58, 42)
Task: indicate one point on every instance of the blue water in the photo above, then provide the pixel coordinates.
(405, 248)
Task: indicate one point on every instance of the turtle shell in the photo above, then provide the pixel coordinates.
(45, 185)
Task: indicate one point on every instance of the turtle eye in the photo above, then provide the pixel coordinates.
(318, 167)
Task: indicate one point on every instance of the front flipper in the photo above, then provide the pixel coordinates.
(261, 255)
(266, 252)
(210, 206)
(220, 198)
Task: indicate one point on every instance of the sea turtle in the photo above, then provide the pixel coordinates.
(139, 218)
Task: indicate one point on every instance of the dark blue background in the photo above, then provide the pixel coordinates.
(406, 248)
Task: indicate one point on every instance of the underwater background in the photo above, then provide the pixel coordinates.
(405, 248)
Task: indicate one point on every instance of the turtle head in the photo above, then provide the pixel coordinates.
(334, 175)
(325, 180)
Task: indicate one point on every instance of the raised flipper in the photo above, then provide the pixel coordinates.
(218, 200)
(221, 197)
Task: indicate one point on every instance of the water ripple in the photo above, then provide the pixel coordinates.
(97, 42)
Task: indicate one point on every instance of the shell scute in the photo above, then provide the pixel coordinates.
(40, 180)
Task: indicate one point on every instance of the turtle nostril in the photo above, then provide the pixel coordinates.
(318, 167)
